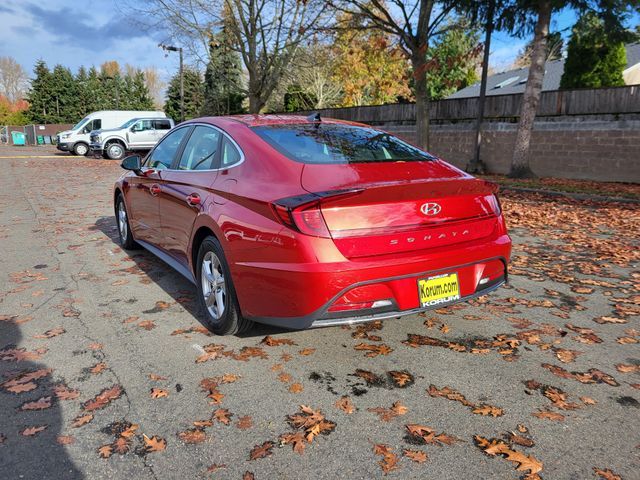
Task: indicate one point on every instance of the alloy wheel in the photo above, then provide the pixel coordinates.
(122, 221)
(213, 285)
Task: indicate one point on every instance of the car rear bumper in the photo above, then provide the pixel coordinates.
(324, 294)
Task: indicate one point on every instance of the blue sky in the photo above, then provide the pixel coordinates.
(90, 32)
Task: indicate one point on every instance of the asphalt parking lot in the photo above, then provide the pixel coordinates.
(105, 371)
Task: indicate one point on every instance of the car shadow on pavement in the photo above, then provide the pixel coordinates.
(27, 450)
(171, 281)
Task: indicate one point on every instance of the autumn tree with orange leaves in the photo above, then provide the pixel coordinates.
(370, 69)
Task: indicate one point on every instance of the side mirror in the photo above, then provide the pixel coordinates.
(133, 163)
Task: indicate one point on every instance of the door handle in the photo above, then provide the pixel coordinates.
(193, 199)
(154, 189)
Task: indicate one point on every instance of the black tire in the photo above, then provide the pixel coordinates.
(114, 151)
(81, 149)
(230, 321)
(124, 229)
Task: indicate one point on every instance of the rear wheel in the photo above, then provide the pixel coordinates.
(81, 149)
(124, 230)
(114, 151)
(216, 292)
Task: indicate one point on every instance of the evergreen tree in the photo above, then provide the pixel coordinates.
(95, 92)
(64, 96)
(452, 61)
(223, 93)
(40, 94)
(141, 97)
(594, 59)
(193, 95)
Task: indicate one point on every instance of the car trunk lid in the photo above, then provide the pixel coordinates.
(401, 206)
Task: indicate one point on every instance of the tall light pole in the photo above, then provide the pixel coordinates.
(171, 48)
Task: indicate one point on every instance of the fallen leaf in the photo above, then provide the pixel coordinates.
(296, 440)
(40, 404)
(222, 415)
(244, 422)
(261, 451)
(606, 474)
(159, 393)
(82, 420)
(31, 431)
(498, 447)
(401, 379)
(417, 456)
(296, 388)
(193, 435)
(274, 342)
(65, 440)
(154, 444)
(105, 451)
(346, 405)
(51, 333)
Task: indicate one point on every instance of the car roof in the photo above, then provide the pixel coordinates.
(257, 120)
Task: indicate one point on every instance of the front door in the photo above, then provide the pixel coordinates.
(143, 197)
(186, 189)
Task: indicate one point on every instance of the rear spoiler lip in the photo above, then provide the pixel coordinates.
(298, 201)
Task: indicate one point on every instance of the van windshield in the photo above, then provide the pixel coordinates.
(80, 123)
(326, 143)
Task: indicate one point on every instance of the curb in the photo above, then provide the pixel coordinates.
(576, 196)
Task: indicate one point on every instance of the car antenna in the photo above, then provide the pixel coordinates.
(314, 117)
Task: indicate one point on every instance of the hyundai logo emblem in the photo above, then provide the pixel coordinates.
(430, 208)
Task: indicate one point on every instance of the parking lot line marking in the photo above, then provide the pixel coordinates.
(35, 156)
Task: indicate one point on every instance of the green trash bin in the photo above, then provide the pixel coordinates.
(40, 139)
(18, 138)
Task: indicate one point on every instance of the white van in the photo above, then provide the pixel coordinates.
(77, 139)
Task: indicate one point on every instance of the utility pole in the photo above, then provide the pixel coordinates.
(171, 48)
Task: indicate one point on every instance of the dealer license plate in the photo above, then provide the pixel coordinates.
(438, 289)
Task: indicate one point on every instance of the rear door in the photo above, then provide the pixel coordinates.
(143, 199)
(186, 189)
(160, 128)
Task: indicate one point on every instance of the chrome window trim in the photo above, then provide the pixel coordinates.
(225, 134)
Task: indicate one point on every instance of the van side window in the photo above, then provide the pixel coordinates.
(162, 124)
(97, 124)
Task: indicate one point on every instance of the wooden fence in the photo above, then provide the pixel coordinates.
(600, 101)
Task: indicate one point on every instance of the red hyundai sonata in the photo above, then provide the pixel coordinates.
(308, 222)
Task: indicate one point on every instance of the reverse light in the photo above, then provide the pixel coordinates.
(343, 307)
(484, 280)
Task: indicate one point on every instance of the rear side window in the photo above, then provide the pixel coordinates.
(201, 149)
(230, 154)
(162, 124)
(336, 143)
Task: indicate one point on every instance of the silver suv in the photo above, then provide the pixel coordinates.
(136, 134)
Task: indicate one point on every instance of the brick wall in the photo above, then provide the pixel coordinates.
(604, 149)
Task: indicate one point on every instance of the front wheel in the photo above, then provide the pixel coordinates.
(216, 292)
(80, 149)
(124, 230)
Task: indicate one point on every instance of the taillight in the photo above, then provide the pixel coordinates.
(302, 213)
(497, 208)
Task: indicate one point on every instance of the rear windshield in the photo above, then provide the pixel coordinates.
(337, 143)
